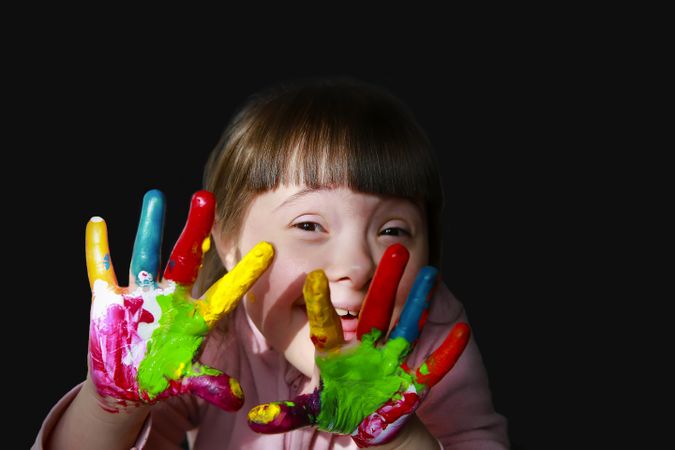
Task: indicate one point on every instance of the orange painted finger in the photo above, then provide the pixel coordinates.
(380, 299)
(186, 256)
(444, 357)
(99, 264)
(324, 323)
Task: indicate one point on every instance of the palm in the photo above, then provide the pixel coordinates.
(366, 390)
(144, 339)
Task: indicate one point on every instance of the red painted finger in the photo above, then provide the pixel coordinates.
(186, 256)
(384, 424)
(444, 357)
(380, 299)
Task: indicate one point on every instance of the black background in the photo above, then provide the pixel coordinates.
(100, 123)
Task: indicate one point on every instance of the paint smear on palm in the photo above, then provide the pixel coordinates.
(184, 323)
(359, 380)
(124, 368)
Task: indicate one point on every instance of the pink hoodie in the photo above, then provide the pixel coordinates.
(458, 411)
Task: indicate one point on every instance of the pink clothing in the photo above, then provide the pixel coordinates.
(458, 411)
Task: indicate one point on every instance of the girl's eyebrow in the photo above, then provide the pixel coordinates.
(298, 195)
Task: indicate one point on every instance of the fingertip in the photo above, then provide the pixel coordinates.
(316, 283)
(264, 250)
(461, 330)
(153, 195)
(203, 199)
(397, 252)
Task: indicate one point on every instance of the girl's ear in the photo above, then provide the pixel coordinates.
(226, 248)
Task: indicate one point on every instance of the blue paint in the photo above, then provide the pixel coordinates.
(417, 301)
(148, 244)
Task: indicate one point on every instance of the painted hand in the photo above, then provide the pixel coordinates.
(144, 339)
(366, 390)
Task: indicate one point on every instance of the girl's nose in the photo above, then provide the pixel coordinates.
(352, 264)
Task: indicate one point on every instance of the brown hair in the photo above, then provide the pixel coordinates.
(321, 132)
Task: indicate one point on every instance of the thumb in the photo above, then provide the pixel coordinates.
(218, 389)
(279, 417)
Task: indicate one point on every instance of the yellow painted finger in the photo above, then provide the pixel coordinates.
(99, 264)
(224, 295)
(324, 323)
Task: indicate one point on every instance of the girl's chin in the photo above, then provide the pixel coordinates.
(349, 335)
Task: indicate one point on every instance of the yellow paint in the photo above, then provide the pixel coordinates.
(264, 413)
(206, 245)
(236, 388)
(99, 264)
(324, 323)
(224, 295)
(179, 370)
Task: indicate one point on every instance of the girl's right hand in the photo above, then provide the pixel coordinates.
(144, 339)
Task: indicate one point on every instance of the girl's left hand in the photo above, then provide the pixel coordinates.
(366, 390)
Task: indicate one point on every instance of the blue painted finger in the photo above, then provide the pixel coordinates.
(409, 324)
(146, 255)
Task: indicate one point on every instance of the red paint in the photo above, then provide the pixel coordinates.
(380, 299)
(384, 424)
(186, 256)
(110, 338)
(319, 342)
(216, 390)
(444, 357)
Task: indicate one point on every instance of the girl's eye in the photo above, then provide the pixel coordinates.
(394, 231)
(309, 226)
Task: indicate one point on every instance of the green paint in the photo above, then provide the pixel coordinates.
(359, 380)
(173, 344)
(424, 369)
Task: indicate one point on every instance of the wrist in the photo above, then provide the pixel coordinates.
(100, 409)
(86, 424)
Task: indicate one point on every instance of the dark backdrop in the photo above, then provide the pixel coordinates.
(104, 129)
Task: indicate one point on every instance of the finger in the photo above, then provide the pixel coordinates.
(379, 303)
(324, 323)
(148, 245)
(224, 295)
(186, 256)
(384, 424)
(408, 326)
(99, 264)
(220, 390)
(444, 357)
(279, 417)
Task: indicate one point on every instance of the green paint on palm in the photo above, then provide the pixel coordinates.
(359, 380)
(173, 344)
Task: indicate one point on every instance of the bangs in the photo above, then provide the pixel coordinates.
(331, 138)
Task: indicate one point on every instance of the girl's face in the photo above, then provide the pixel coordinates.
(341, 231)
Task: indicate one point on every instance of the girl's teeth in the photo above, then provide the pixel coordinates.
(344, 312)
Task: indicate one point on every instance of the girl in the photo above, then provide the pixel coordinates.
(331, 173)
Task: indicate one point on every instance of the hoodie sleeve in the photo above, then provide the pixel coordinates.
(165, 428)
(458, 410)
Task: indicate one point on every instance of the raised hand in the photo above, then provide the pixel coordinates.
(366, 390)
(144, 339)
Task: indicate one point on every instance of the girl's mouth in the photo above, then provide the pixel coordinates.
(349, 320)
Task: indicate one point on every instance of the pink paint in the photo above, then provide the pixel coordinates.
(111, 338)
(384, 424)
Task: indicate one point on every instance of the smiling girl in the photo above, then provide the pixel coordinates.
(332, 173)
